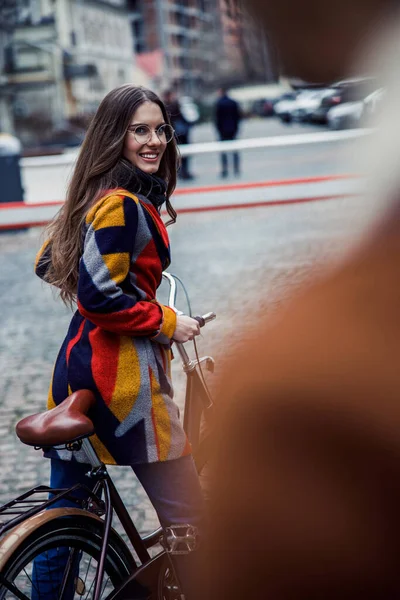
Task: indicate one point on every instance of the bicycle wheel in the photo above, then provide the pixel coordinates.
(64, 537)
(167, 587)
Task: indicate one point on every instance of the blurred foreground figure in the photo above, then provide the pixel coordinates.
(307, 487)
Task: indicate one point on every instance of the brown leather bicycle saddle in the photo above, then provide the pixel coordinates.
(66, 422)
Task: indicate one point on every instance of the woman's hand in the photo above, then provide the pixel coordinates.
(186, 329)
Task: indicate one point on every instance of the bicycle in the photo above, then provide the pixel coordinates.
(86, 532)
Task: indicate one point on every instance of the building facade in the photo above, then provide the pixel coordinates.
(61, 60)
(58, 58)
(182, 37)
(247, 56)
(193, 46)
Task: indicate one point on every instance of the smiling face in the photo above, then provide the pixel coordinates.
(147, 157)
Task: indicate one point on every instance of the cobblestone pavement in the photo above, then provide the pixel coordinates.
(237, 263)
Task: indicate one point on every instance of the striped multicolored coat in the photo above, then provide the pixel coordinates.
(118, 342)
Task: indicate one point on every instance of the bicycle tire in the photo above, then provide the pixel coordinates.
(79, 532)
(167, 588)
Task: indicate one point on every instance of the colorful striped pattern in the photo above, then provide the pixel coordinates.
(118, 342)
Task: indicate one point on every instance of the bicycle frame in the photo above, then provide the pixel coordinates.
(195, 388)
(143, 576)
(197, 400)
(112, 502)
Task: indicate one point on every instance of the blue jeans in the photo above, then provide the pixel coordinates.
(174, 490)
(224, 156)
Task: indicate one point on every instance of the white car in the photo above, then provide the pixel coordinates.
(351, 114)
(301, 107)
(372, 102)
(346, 115)
(283, 109)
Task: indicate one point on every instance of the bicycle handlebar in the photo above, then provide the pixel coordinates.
(206, 318)
(202, 320)
(172, 290)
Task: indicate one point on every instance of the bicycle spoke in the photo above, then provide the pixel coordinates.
(18, 594)
(53, 560)
(69, 569)
(93, 580)
(56, 552)
(87, 570)
(102, 591)
(90, 589)
(30, 580)
(27, 576)
(104, 587)
(92, 584)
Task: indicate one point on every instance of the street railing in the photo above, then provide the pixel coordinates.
(45, 180)
(210, 147)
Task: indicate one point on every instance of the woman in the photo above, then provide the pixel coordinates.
(106, 250)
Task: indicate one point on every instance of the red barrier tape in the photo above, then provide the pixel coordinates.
(28, 224)
(213, 188)
(264, 203)
(259, 184)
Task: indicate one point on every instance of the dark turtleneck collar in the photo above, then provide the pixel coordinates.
(152, 187)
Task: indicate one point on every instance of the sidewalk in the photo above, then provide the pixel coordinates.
(237, 263)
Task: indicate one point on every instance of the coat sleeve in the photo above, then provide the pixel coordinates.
(112, 228)
(42, 260)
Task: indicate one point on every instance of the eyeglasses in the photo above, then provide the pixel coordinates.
(143, 133)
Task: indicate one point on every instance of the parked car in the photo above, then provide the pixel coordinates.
(332, 98)
(354, 114)
(345, 116)
(301, 107)
(252, 97)
(286, 96)
(346, 91)
(372, 104)
(263, 107)
(284, 106)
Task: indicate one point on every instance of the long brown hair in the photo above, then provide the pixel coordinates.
(100, 167)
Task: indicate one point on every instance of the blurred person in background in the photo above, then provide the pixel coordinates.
(306, 485)
(227, 120)
(182, 129)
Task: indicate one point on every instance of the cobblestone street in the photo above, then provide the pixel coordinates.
(236, 263)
